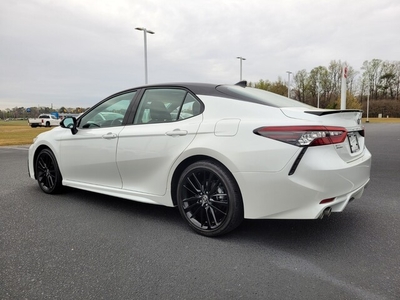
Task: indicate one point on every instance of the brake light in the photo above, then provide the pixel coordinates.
(304, 135)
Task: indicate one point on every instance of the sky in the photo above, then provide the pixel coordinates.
(74, 53)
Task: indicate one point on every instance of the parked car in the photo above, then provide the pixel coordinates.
(45, 120)
(220, 153)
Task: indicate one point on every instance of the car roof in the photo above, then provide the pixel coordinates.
(223, 91)
(197, 88)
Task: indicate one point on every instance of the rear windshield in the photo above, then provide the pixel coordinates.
(260, 96)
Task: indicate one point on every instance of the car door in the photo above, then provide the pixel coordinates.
(89, 155)
(165, 124)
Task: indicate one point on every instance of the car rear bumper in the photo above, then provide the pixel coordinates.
(321, 175)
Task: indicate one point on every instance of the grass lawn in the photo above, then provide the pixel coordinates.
(20, 133)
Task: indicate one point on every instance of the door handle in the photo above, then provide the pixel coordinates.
(109, 136)
(177, 132)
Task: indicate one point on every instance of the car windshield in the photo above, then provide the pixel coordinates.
(261, 96)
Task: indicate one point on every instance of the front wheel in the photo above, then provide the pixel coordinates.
(209, 199)
(47, 172)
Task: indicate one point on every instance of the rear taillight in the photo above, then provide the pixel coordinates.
(304, 135)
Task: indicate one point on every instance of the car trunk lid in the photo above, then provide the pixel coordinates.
(352, 148)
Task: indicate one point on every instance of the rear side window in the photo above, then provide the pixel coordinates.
(166, 105)
(190, 107)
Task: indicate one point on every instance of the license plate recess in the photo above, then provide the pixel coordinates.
(353, 142)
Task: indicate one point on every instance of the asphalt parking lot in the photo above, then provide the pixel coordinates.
(81, 245)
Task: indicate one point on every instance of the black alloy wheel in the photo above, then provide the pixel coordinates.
(47, 172)
(209, 199)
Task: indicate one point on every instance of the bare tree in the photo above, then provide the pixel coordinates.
(301, 85)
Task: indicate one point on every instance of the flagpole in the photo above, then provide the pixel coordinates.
(344, 88)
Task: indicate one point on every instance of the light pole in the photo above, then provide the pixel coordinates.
(288, 83)
(241, 59)
(145, 31)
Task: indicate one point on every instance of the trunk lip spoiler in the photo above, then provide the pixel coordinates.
(329, 112)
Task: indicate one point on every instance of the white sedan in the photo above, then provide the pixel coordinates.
(220, 153)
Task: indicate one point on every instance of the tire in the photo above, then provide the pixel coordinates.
(47, 172)
(209, 199)
(47, 124)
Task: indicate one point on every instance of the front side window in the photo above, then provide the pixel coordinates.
(108, 114)
(166, 105)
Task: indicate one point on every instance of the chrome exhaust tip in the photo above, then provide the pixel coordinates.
(326, 213)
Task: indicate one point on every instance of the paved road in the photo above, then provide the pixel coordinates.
(81, 245)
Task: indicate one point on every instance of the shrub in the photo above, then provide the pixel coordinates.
(389, 108)
(351, 103)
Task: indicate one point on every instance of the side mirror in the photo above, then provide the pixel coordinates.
(69, 122)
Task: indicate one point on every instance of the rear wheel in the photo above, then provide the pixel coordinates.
(209, 199)
(47, 124)
(47, 172)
